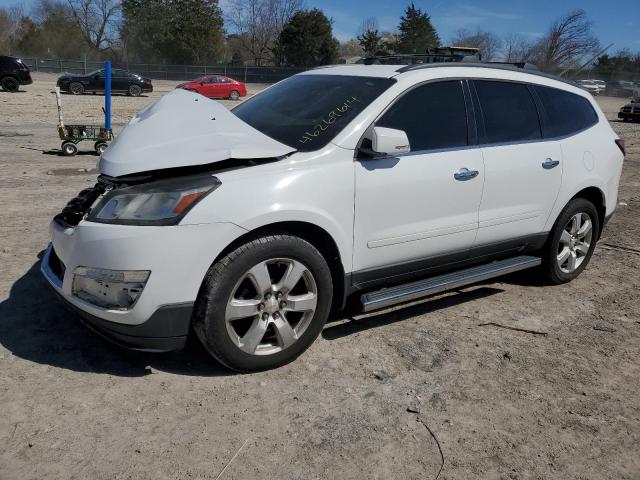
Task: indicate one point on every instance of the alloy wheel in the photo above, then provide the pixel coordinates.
(271, 306)
(575, 242)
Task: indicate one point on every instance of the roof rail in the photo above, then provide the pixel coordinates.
(513, 67)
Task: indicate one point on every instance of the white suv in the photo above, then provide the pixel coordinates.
(383, 183)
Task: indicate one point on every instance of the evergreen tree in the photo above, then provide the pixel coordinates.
(370, 42)
(307, 39)
(416, 32)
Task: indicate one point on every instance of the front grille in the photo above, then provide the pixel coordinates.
(626, 110)
(79, 206)
(56, 265)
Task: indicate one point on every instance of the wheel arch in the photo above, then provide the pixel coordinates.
(316, 236)
(597, 197)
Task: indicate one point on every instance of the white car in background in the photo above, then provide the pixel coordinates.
(590, 86)
(380, 182)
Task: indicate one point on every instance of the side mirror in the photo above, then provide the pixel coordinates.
(201, 83)
(389, 141)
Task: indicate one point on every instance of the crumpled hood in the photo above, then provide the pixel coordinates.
(183, 129)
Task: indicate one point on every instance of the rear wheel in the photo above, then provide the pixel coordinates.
(69, 149)
(100, 147)
(135, 90)
(10, 84)
(264, 303)
(76, 88)
(234, 95)
(572, 241)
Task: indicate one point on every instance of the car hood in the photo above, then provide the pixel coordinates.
(185, 129)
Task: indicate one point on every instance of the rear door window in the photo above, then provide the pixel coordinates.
(566, 112)
(433, 116)
(508, 112)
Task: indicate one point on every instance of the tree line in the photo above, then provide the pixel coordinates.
(269, 32)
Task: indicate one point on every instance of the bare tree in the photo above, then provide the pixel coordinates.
(516, 48)
(568, 40)
(258, 24)
(369, 24)
(9, 22)
(488, 43)
(96, 19)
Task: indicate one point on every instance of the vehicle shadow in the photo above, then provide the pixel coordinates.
(35, 326)
(375, 320)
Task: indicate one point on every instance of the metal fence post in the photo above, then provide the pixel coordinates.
(60, 65)
(245, 73)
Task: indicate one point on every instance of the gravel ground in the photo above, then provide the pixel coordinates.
(368, 400)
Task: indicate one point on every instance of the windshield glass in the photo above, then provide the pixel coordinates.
(307, 111)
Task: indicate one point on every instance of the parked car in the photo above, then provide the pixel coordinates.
(600, 83)
(377, 182)
(122, 81)
(590, 86)
(630, 112)
(13, 73)
(216, 86)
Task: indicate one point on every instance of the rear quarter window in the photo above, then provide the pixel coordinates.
(566, 112)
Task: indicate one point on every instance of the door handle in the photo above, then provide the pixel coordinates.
(465, 174)
(549, 163)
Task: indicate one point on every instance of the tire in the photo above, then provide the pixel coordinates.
(135, 90)
(10, 84)
(569, 248)
(69, 149)
(100, 147)
(278, 321)
(76, 88)
(234, 95)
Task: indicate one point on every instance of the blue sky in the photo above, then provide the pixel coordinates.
(615, 21)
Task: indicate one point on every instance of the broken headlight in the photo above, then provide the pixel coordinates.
(161, 202)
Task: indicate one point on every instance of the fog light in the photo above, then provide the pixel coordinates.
(115, 289)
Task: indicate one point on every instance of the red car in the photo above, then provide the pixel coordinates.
(216, 86)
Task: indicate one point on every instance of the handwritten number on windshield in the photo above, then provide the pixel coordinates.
(329, 120)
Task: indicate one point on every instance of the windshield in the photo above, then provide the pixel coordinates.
(307, 111)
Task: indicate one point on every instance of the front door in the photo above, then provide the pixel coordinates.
(412, 209)
(523, 172)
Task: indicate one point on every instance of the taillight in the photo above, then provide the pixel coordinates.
(620, 144)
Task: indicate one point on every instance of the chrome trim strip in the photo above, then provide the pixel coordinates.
(412, 291)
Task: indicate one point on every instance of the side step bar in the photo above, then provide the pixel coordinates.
(430, 286)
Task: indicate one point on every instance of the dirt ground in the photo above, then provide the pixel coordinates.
(361, 403)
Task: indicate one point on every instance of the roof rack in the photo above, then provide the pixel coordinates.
(433, 55)
(513, 67)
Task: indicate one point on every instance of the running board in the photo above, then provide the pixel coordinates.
(430, 286)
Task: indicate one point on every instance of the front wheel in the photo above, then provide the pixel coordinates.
(69, 149)
(135, 90)
(572, 241)
(264, 303)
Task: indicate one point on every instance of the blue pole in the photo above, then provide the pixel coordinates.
(107, 94)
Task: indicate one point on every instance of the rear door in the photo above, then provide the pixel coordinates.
(412, 208)
(119, 80)
(523, 171)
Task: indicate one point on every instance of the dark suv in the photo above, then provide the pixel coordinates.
(121, 81)
(13, 73)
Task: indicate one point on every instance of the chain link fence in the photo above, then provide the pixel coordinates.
(243, 73)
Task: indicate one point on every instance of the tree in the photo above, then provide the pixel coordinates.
(96, 20)
(623, 65)
(350, 48)
(488, 43)
(258, 23)
(416, 32)
(10, 19)
(567, 41)
(516, 48)
(307, 39)
(176, 31)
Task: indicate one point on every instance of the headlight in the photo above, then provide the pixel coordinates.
(113, 289)
(162, 202)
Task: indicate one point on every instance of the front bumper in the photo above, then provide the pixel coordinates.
(177, 256)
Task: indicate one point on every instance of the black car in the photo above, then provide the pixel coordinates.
(13, 73)
(630, 112)
(121, 81)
